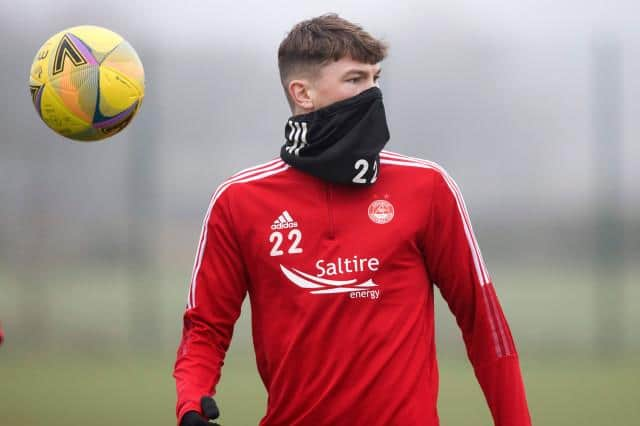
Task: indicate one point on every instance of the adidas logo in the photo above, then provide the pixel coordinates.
(284, 221)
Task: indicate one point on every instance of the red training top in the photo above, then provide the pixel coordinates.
(341, 283)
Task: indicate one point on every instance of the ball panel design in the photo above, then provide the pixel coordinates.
(36, 94)
(100, 41)
(115, 124)
(58, 117)
(90, 135)
(39, 73)
(117, 93)
(78, 90)
(125, 60)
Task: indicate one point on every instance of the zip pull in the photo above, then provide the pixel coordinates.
(332, 232)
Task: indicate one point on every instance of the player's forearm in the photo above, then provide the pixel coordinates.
(493, 353)
(503, 387)
(198, 363)
(193, 380)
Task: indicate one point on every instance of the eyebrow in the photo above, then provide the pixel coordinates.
(360, 73)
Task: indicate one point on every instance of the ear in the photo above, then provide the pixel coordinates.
(300, 94)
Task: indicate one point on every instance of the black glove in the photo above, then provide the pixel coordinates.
(210, 410)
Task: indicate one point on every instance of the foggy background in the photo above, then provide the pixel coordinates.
(532, 106)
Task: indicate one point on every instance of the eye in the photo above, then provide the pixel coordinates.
(354, 79)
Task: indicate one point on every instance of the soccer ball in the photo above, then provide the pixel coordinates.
(87, 83)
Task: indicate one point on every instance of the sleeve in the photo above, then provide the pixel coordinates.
(455, 265)
(218, 287)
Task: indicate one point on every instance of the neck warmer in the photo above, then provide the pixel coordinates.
(339, 143)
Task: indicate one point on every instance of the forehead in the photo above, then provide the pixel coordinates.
(348, 64)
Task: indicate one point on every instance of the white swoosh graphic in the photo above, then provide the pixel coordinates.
(368, 283)
(334, 290)
(300, 281)
(322, 280)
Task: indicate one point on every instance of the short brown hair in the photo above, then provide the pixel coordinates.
(314, 42)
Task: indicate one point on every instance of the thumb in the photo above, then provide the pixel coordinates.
(209, 408)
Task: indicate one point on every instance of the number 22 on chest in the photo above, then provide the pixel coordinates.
(277, 238)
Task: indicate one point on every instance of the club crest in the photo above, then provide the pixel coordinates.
(381, 211)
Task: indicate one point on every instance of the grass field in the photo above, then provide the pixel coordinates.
(553, 320)
(139, 391)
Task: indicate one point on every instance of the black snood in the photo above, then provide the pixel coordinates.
(341, 142)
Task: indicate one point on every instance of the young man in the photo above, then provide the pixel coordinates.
(339, 246)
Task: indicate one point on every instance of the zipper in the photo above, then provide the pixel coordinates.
(332, 232)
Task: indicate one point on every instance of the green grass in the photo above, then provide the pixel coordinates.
(89, 310)
(139, 391)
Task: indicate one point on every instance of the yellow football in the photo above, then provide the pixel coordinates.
(87, 83)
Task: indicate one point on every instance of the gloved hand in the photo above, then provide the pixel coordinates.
(210, 411)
